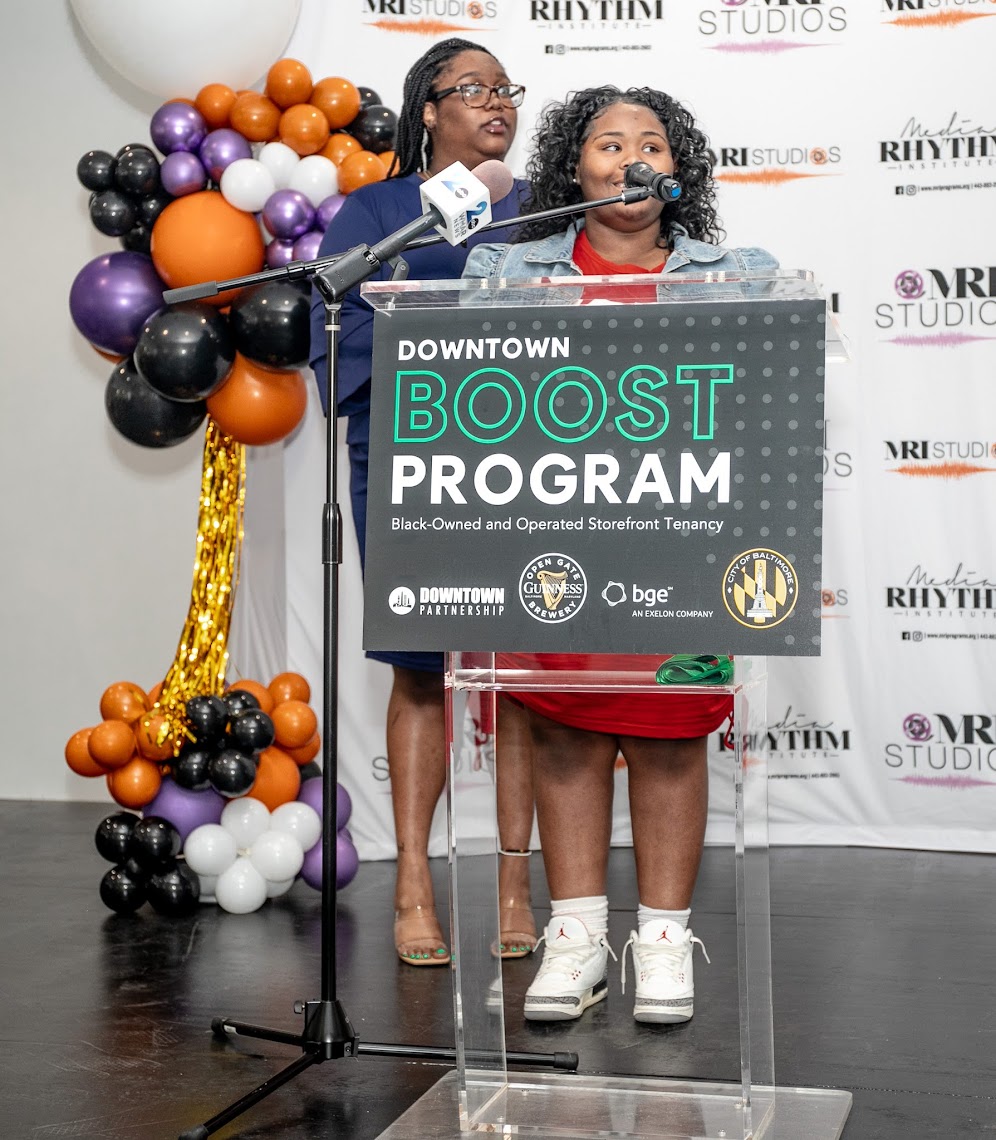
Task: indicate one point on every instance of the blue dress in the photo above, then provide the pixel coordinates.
(368, 215)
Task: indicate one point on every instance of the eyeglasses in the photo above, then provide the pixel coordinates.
(479, 94)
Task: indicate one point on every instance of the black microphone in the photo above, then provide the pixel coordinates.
(662, 187)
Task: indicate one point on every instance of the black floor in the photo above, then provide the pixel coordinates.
(884, 969)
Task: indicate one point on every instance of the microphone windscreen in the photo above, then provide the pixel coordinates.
(497, 177)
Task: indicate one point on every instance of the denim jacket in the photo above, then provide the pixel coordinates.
(552, 257)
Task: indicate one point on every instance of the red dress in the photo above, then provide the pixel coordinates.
(660, 716)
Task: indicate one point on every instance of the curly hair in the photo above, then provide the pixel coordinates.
(563, 129)
(408, 149)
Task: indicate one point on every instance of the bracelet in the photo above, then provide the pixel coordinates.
(504, 851)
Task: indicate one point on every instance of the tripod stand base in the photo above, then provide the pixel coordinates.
(538, 1104)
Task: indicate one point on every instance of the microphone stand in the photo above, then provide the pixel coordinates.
(327, 1033)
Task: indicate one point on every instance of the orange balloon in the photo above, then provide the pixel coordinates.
(78, 755)
(337, 99)
(294, 723)
(339, 145)
(386, 160)
(123, 701)
(107, 355)
(111, 744)
(290, 687)
(288, 82)
(201, 237)
(257, 405)
(147, 734)
(215, 104)
(260, 692)
(307, 752)
(155, 693)
(304, 129)
(136, 784)
(254, 116)
(357, 170)
(278, 779)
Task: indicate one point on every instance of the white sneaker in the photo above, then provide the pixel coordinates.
(662, 962)
(572, 975)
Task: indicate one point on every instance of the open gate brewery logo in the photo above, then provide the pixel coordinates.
(945, 750)
(940, 306)
(553, 588)
(771, 26)
(759, 588)
(919, 15)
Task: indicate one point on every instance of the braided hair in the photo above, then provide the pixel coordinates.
(408, 150)
(564, 127)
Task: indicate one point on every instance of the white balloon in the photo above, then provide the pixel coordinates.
(316, 178)
(246, 184)
(299, 820)
(280, 161)
(277, 856)
(246, 819)
(177, 48)
(209, 849)
(275, 890)
(240, 889)
(207, 888)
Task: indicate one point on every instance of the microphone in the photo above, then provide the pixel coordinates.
(661, 187)
(456, 201)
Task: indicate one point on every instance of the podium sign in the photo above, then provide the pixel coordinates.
(637, 477)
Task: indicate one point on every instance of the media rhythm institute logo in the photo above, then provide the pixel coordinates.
(431, 17)
(916, 15)
(760, 588)
(553, 588)
(742, 27)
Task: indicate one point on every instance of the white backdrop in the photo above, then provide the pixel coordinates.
(852, 139)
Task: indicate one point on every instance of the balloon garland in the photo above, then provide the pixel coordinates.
(246, 179)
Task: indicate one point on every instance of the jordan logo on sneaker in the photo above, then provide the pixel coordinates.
(662, 937)
(563, 933)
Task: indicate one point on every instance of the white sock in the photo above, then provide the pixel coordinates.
(648, 913)
(593, 910)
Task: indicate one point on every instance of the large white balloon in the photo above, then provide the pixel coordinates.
(316, 178)
(277, 856)
(241, 888)
(246, 819)
(177, 48)
(210, 849)
(246, 184)
(300, 820)
(281, 162)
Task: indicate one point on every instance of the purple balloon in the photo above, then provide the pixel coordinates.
(177, 127)
(221, 148)
(288, 214)
(311, 794)
(185, 809)
(347, 862)
(112, 297)
(279, 253)
(306, 248)
(327, 210)
(182, 173)
(343, 807)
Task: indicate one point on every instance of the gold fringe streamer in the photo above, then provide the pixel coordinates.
(202, 655)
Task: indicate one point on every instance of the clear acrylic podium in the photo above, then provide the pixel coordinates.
(483, 1095)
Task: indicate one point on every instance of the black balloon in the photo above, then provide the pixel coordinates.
(238, 700)
(271, 324)
(208, 718)
(190, 768)
(311, 771)
(151, 206)
(121, 891)
(232, 773)
(368, 97)
(136, 172)
(138, 239)
(154, 844)
(113, 834)
(375, 128)
(174, 891)
(251, 731)
(145, 417)
(185, 351)
(112, 212)
(129, 147)
(96, 170)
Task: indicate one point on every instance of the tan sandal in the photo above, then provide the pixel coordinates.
(418, 925)
(517, 929)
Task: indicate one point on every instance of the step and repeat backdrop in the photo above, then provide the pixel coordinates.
(854, 139)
